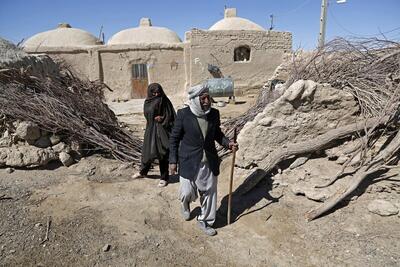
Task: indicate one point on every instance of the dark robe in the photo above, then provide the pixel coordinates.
(156, 136)
(188, 145)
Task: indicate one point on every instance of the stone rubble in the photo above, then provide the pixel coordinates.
(26, 156)
(66, 159)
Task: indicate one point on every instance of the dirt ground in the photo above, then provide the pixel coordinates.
(95, 215)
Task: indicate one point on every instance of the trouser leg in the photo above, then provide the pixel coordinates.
(144, 168)
(164, 169)
(187, 190)
(208, 202)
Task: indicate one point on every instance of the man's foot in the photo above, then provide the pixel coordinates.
(208, 230)
(185, 211)
(162, 183)
(137, 176)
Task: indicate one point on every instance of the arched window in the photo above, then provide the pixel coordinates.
(242, 53)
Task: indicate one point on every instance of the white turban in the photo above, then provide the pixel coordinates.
(194, 100)
(197, 90)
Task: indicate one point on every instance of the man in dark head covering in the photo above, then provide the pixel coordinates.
(160, 115)
(192, 147)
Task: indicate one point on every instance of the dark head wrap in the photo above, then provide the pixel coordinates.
(156, 136)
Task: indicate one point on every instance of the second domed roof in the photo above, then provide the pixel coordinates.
(145, 34)
(233, 23)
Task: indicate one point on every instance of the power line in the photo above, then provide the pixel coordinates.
(292, 10)
(280, 15)
(356, 34)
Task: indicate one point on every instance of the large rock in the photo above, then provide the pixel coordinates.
(382, 207)
(303, 112)
(66, 159)
(26, 156)
(28, 131)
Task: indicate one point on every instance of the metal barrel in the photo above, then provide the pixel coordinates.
(220, 87)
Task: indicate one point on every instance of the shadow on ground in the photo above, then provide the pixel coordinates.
(241, 203)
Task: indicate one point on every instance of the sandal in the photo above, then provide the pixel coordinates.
(137, 176)
(162, 183)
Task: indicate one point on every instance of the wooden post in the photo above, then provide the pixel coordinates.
(231, 178)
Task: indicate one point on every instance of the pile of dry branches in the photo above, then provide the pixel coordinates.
(67, 106)
(370, 70)
(367, 68)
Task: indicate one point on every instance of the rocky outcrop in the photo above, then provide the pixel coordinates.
(26, 156)
(304, 111)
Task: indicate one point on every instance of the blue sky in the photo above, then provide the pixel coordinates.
(363, 18)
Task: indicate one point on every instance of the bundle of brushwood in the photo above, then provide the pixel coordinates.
(369, 69)
(65, 105)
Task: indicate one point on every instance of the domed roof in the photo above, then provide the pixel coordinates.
(145, 34)
(62, 36)
(232, 23)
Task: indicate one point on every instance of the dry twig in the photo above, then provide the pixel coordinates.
(46, 238)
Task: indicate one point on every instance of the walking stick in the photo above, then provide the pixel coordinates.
(231, 179)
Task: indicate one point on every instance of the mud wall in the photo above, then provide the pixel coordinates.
(267, 49)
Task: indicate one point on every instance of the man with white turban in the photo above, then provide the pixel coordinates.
(192, 147)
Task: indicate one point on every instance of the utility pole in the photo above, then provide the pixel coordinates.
(322, 25)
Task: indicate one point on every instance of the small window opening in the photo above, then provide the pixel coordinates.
(242, 53)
